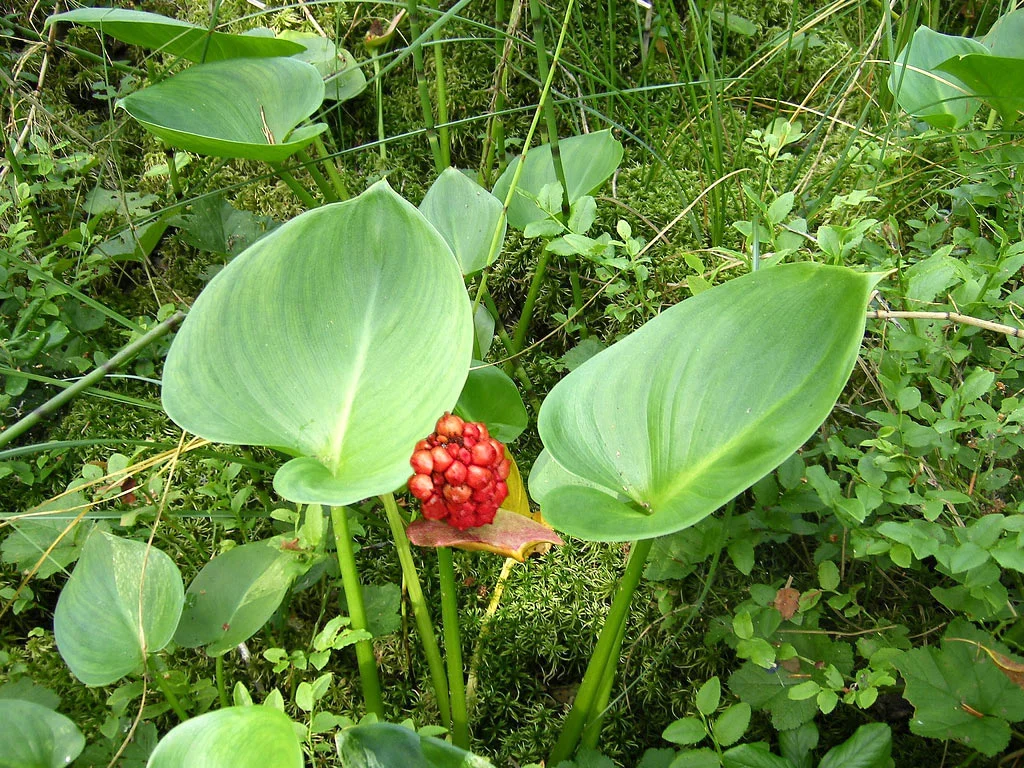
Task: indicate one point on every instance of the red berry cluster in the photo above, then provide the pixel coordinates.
(460, 473)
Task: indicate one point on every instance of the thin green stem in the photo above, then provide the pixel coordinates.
(300, 191)
(592, 732)
(378, 94)
(421, 613)
(172, 173)
(601, 661)
(453, 647)
(550, 120)
(129, 351)
(412, 9)
(332, 171)
(318, 178)
(222, 690)
(523, 326)
(365, 658)
(441, 89)
(160, 674)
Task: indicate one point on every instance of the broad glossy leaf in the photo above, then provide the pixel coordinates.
(1006, 38)
(122, 602)
(385, 744)
(247, 108)
(996, 80)
(492, 397)
(466, 215)
(234, 595)
(939, 99)
(339, 338)
(679, 417)
(178, 38)
(34, 736)
(343, 78)
(256, 737)
(588, 161)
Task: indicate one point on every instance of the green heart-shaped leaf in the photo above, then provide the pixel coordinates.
(339, 338)
(939, 99)
(247, 108)
(588, 161)
(178, 38)
(996, 80)
(34, 736)
(386, 744)
(492, 397)
(122, 602)
(255, 736)
(234, 595)
(673, 421)
(343, 78)
(466, 215)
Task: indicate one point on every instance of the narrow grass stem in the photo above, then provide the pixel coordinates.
(300, 191)
(453, 647)
(332, 171)
(160, 674)
(222, 690)
(550, 120)
(129, 351)
(330, 195)
(421, 613)
(172, 173)
(365, 658)
(601, 662)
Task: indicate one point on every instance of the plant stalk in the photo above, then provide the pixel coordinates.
(332, 171)
(421, 613)
(441, 89)
(222, 691)
(159, 676)
(412, 9)
(365, 658)
(453, 647)
(318, 178)
(300, 191)
(129, 351)
(601, 662)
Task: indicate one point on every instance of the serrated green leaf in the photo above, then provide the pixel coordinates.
(869, 747)
(709, 696)
(686, 730)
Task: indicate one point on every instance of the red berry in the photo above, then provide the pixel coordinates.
(421, 486)
(422, 463)
(471, 431)
(457, 494)
(456, 473)
(434, 509)
(449, 426)
(503, 469)
(483, 454)
(478, 478)
(500, 491)
(442, 460)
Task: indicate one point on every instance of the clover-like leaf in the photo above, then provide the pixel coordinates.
(657, 431)
(246, 108)
(339, 338)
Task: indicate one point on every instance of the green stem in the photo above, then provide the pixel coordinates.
(601, 661)
(378, 92)
(577, 294)
(412, 9)
(159, 676)
(421, 613)
(357, 611)
(523, 326)
(441, 87)
(593, 729)
(127, 353)
(300, 191)
(318, 178)
(222, 691)
(453, 647)
(172, 173)
(543, 73)
(332, 171)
